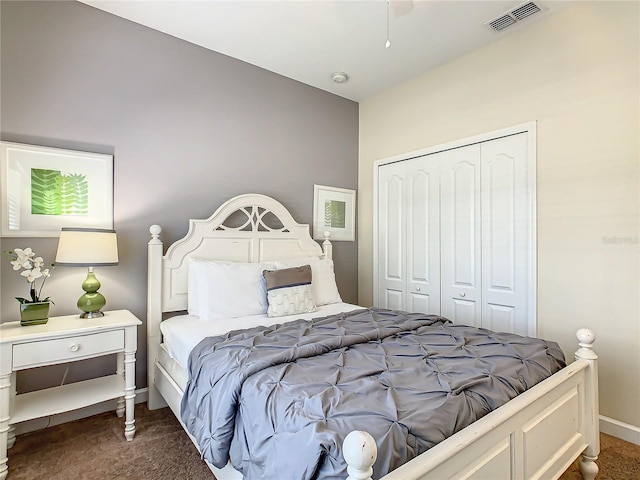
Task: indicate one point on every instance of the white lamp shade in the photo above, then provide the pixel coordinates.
(87, 247)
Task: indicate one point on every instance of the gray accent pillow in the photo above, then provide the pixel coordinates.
(289, 291)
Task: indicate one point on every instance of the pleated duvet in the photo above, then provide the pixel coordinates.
(278, 401)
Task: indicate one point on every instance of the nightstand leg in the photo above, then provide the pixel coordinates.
(5, 389)
(120, 371)
(11, 434)
(129, 394)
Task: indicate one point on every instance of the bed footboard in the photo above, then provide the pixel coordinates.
(536, 435)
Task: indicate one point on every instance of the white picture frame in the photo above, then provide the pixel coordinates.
(334, 211)
(44, 189)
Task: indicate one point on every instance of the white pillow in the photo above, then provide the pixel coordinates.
(193, 305)
(323, 282)
(223, 289)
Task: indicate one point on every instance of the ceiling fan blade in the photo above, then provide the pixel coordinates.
(400, 7)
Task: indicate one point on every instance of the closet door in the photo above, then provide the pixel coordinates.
(409, 236)
(392, 277)
(456, 235)
(461, 234)
(423, 235)
(505, 234)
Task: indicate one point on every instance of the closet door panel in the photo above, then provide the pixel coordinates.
(500, 318)
(505, 233)
(423, 235)
(391, 237)
(465, 312)
(423, 303)
(460, 234)
(394, 299)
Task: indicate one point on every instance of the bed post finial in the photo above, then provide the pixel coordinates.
(326, 245)
(155, 231)
(360, 452)
(586, 339)
(588, 467)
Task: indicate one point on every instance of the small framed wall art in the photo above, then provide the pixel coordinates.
(45, 189)
(334, 211)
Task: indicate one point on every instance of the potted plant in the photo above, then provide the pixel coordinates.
(34, 310)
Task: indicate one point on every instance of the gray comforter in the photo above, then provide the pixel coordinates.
(278, 401)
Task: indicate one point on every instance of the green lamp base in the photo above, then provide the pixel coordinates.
(92, 314)
(92, 301)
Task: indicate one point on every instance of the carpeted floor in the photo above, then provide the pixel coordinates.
(94, 448)
(618, 460)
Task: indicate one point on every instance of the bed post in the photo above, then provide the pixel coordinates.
(588, 466)
(327, 248)
(360, 452)
(154, 313)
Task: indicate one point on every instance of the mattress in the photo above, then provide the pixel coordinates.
(183, 332)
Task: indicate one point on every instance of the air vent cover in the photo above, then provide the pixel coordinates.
(514, 16)
(502, 22)
(525, 10)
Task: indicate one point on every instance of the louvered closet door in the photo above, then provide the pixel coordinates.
(423, 234)
(392, 276)
(460, 237)
(505, 234)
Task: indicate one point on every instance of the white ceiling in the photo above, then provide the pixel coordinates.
(308, 40)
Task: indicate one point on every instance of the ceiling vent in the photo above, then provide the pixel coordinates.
(514, 16)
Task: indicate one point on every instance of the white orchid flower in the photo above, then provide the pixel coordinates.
(32, 274)
(23, 258)
(17, 264)
(25, 254)
(33, 269)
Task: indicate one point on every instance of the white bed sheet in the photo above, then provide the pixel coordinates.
(183, 332)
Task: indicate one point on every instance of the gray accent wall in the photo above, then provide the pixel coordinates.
(188, 128)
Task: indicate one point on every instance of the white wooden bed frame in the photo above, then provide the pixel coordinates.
(537, 435)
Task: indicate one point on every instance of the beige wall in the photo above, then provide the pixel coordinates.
(577, 75)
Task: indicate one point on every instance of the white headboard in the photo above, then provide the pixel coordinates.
(241, 230)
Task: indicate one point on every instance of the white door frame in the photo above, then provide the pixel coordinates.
(531, 129)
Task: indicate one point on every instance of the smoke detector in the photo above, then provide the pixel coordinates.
(339, 77)
(514, 16)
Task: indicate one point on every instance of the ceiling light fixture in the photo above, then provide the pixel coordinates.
(339, 77)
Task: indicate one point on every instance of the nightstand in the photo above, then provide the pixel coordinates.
(61, 340)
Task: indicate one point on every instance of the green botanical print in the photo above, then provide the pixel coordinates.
(55, 193)
(45, 196)
(74, 194)
(335, 214)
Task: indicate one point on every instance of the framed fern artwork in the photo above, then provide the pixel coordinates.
(334, 211)
(45, 189)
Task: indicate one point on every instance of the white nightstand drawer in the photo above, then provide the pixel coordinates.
(27, 355)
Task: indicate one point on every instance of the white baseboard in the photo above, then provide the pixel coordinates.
(44, 422)
(621, 430)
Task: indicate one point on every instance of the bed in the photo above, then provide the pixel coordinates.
(537, 434)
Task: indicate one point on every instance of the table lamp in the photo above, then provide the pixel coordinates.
(88, 247)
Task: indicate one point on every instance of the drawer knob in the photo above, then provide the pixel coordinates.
(74, 347)
(418, 289)
(462, 294)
